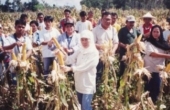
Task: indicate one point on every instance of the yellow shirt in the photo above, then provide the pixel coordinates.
(117, 27)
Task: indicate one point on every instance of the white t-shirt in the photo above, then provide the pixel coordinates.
(151, 62)
(166, 34)
(81, 26)
(101, 35)
(47, 35)
(18, 49)
(41, 25)
(27, 27)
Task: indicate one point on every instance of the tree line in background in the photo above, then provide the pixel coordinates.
(127, 4)
(35, 5)
(19, 6)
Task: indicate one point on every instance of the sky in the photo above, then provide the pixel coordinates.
(75, 3)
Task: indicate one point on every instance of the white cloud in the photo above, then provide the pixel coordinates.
(75, 3)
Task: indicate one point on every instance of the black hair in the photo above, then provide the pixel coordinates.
(48, 18)
(19, 21)
(82, 13)
(23, 16)
(34, 22)
(106, 14)
(67, 10)
(114, 14)
(103, 10)
(160, 43)
(39, 14)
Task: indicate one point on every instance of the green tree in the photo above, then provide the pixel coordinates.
(167, 3)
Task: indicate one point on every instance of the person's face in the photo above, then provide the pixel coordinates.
(130, 24)
(83, 18)
(69, 28)
(114, 18)
(147, 20)
(20, 29)
(85, 42)
(106, 20)
(67, 15)
(41, 18)
(156, 33)
(48, 24)
(90, 14)
(25, 19)
(34, 27)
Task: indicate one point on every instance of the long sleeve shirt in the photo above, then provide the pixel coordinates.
(84, 68)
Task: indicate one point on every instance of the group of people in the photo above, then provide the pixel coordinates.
(82, 42)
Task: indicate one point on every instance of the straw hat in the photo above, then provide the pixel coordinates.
(148, 15)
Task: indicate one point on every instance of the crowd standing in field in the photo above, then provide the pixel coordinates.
(81, 42)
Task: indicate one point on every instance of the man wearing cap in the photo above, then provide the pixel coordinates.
(126, 36)
(69, 39)
(83, 24)
(146, 27)
(67, 14)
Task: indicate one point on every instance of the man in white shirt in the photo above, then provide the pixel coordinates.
(83, 24)
(40, 18)
(16, 41)
(46, 36)
(104, 33)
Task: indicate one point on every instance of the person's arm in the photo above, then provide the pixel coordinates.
(115, 46)
(29, 53)
(122, 45)
(159, 55)
(12, 45)
(9, 47)
(76, 27)
(87, 65)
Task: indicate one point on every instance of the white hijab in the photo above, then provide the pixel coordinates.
(92, 47)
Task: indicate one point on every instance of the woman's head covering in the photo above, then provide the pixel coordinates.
(89, 35)
(161, 43)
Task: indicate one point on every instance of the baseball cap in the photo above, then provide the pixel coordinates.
(130, 18)
(69, 21)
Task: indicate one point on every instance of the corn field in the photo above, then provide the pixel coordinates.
(58, 93)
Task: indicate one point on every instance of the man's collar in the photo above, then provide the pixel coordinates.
(100, 26)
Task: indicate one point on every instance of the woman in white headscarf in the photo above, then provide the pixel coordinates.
(84, 62)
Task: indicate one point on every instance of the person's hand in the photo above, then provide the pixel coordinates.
(56, 51)
(18, 43)
(99, 47)
(50, 43)
(147, 35)
(68, 50)
(66, 68)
